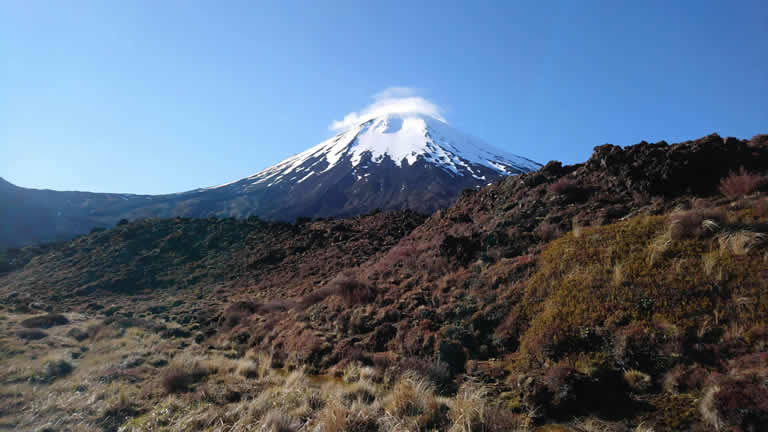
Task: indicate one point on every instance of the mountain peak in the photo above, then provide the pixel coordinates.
(402, 138)
(389, 160)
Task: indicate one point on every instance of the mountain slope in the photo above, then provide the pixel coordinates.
(629, 288)
(392, 162)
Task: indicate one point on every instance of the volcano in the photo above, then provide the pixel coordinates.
(390, 162)
(394, 161)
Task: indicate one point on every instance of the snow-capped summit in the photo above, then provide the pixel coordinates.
(390, 161)
(402, 139)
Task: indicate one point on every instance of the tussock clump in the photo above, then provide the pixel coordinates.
(315, 401)
(467, 410)
(437, 372)
(248, 369)
(709, 262)
(255, 364)
(184, 371)
(336, 417)
(351, 372)
(289, 394)
(277, 421)
(410, 396)
(120, 409)
(361, 393)
(413, 398)
(637, 380)
(369, 374)
(176, 380)
(742, 241)
(101, 331)
(332, 418)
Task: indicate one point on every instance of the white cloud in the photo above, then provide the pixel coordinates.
(390, 100)
(395, 92)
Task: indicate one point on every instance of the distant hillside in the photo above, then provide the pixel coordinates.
(29, 216)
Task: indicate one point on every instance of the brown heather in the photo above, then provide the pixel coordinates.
(742, 183)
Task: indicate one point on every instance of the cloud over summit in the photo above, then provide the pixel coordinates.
(387, 101)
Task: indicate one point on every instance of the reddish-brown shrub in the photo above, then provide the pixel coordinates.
(313, 298)
(349, 288)
(548, 231)
(231, 320)
(399, 254)
(463, 249)
(501, 420)
(237, 312)
(383, 360)
(739, 184)
(352, 291)
(741, 404)
(563, 186)
(279, 421)
(273, 306)
(641, 197)
(697, 378)
(557, 376)
(761, 208)
(757, 362)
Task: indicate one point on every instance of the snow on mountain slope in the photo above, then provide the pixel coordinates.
(402, 138)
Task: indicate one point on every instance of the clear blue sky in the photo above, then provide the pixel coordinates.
(165, 96)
